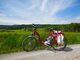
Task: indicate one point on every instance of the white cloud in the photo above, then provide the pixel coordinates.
(34, 4)
(32, 7)
(67, 4)
(56, 7)
(6, 21)
(19, 12)
(60, 5)
(43, 16)
(32, 21)
(76, 20)
(43, 5)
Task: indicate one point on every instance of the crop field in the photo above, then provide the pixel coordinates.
(11, 41)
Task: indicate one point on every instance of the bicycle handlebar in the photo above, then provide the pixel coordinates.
(35, 25)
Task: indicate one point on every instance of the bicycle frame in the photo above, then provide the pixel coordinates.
(38, 36)
(40, 40)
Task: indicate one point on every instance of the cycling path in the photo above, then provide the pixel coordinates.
(72, 52)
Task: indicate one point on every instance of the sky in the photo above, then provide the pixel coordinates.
(39, 12)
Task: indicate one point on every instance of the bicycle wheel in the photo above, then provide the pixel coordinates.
(60, 47)
(29, 43)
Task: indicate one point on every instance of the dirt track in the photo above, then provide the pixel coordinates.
(70, 53)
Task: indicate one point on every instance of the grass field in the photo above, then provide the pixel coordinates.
(12, 41)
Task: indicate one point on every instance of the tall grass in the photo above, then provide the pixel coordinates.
(12, 41)
(73, 37)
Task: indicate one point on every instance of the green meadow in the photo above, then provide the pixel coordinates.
(11, 41)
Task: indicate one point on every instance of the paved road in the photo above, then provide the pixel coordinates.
(70, 53)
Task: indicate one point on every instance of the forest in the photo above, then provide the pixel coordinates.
(73, 27)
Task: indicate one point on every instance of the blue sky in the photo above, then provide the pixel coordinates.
(39, 11)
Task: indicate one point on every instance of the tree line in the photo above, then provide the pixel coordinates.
(73, 27)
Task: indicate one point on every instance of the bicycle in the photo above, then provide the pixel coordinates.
(30, 42)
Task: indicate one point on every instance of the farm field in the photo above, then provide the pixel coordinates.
(11, 41)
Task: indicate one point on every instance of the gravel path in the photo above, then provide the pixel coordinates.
(70, 53)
